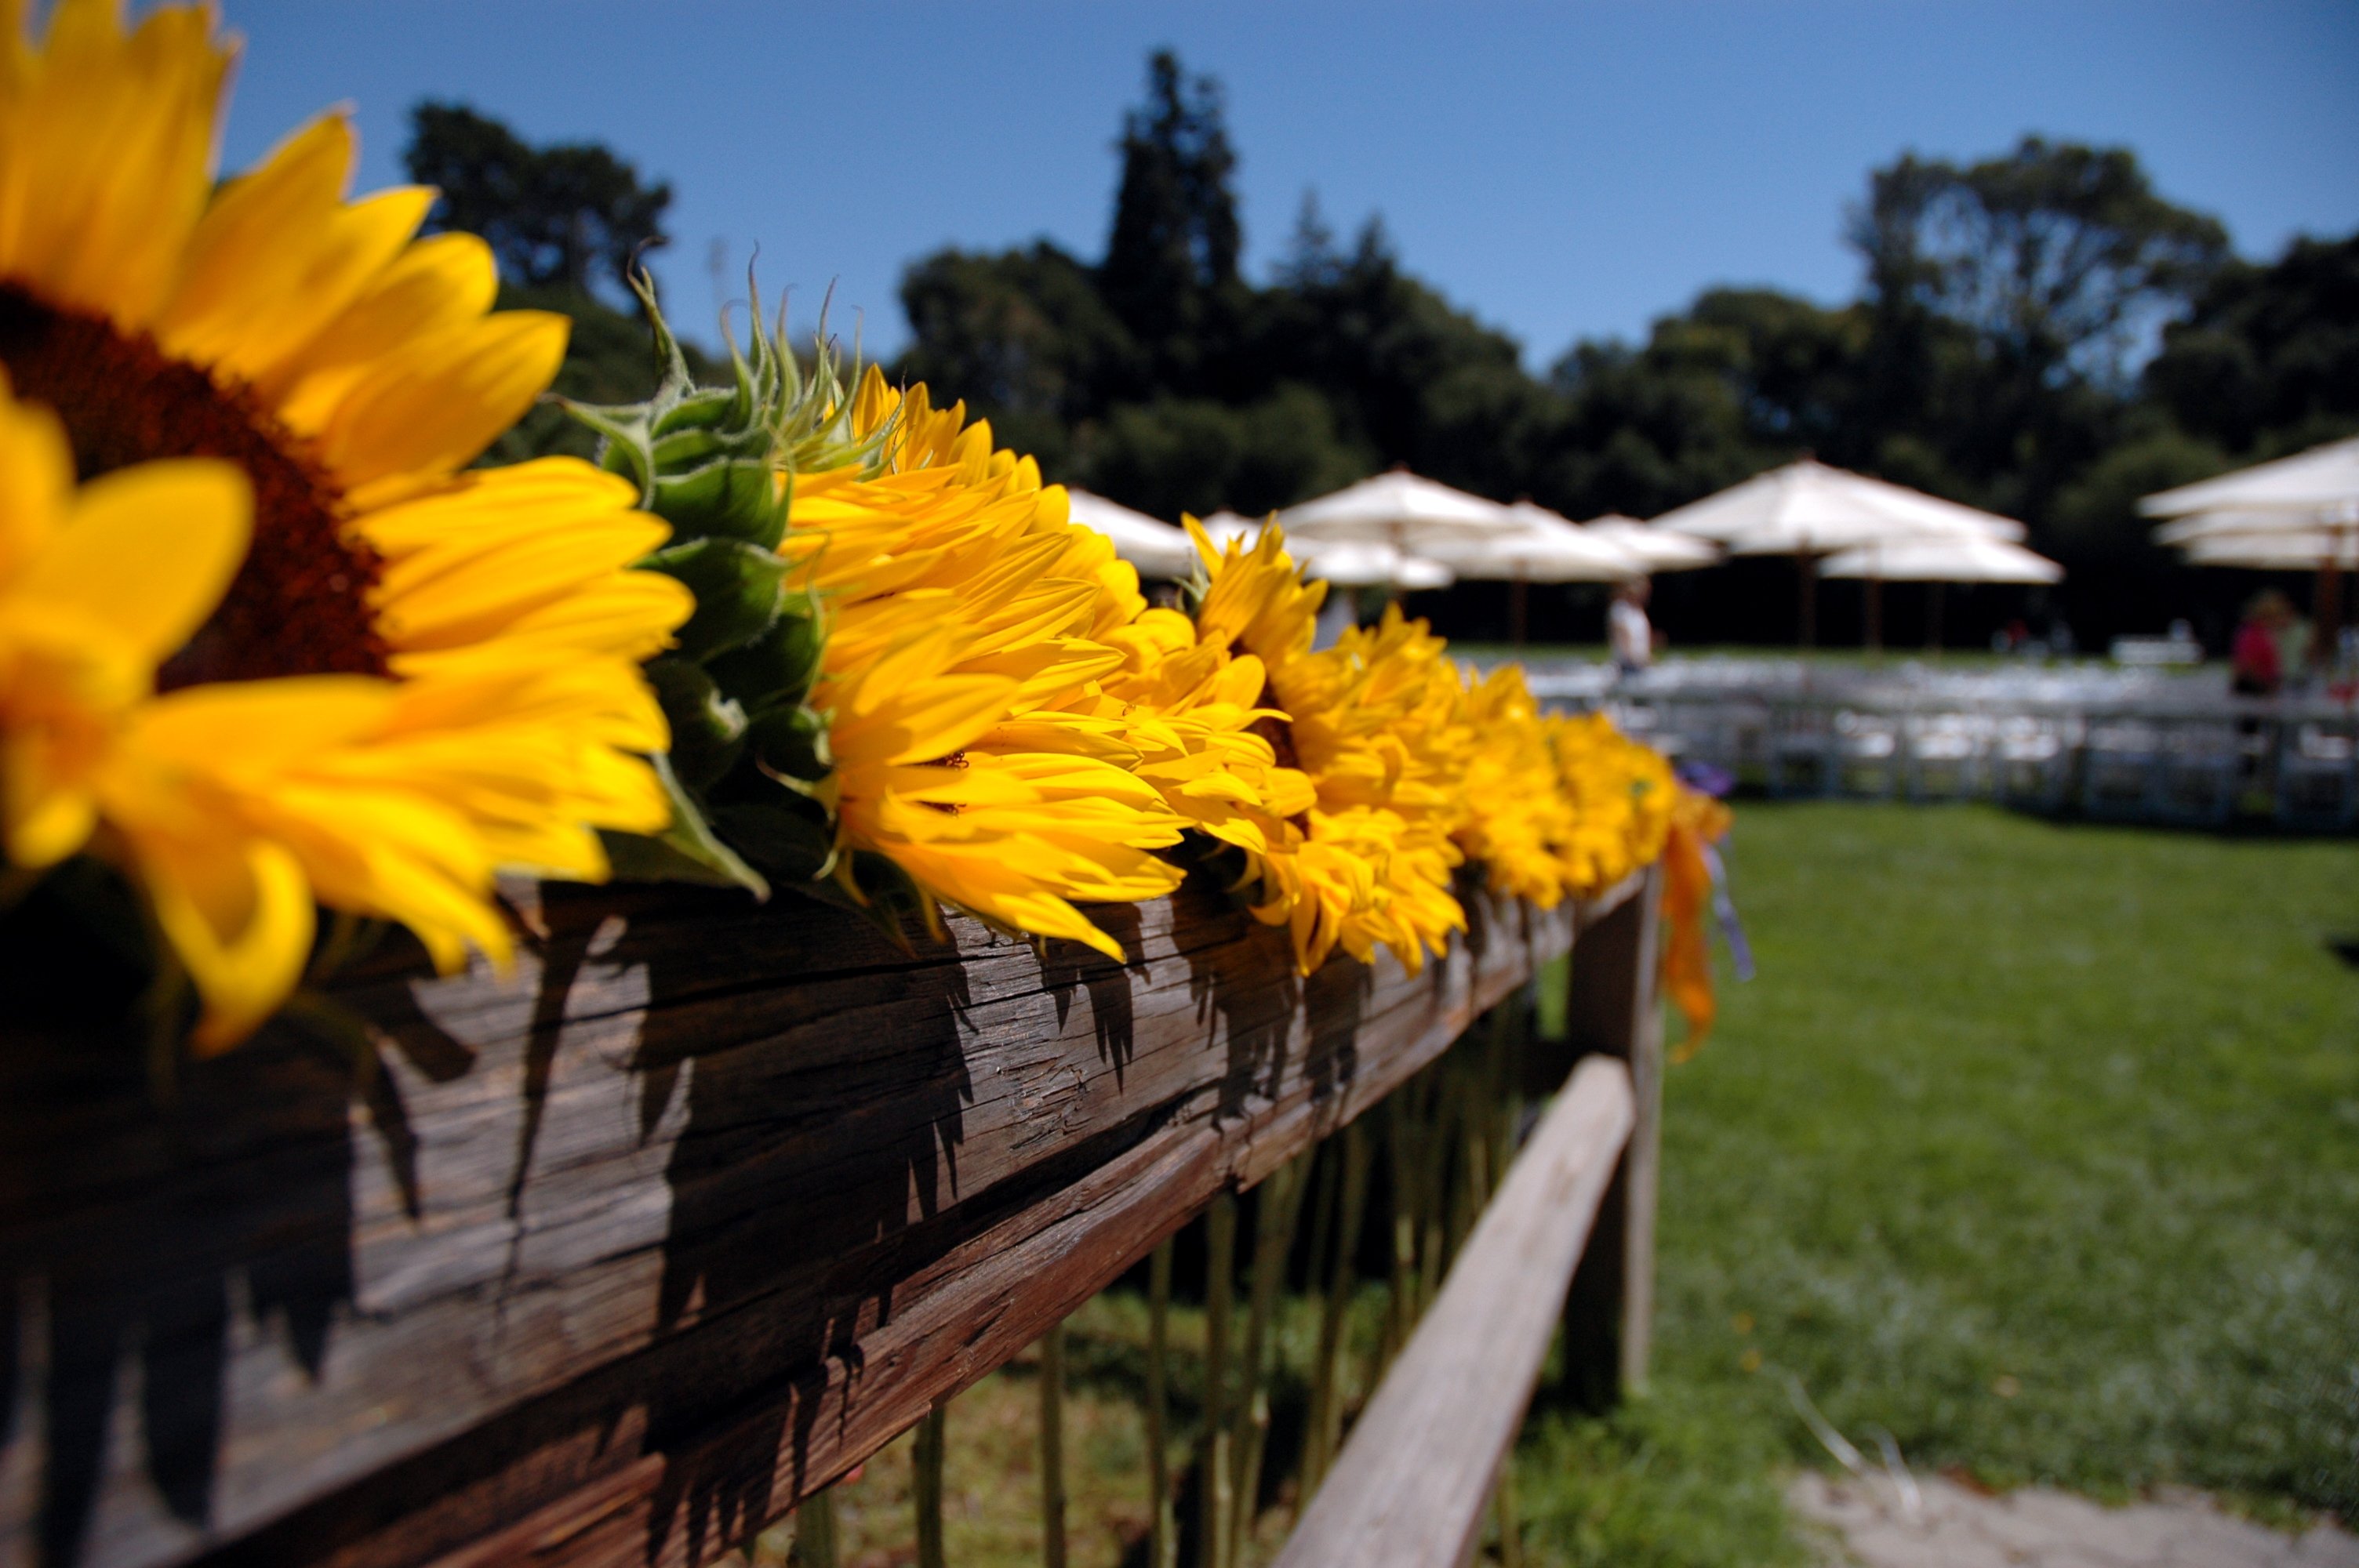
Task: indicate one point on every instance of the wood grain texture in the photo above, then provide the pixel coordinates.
(1614, 1011)
(1409, 1488)
(614, 1257)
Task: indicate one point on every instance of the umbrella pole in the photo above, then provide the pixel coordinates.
(2326, 607)
(1807, 610)
(1518, 609)
(1874, 587)
(1933, 617)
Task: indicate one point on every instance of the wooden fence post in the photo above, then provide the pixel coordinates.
(1612, 1011)
(1410, 1487)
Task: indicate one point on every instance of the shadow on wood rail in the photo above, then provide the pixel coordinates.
(613, 1259)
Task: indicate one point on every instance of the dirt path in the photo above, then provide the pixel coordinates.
(1952, 1527)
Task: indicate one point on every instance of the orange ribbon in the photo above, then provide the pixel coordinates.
(1696, 819)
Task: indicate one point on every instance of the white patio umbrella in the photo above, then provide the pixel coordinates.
(1224, 525)
(1951, 558)
(1368, 563)
(1662, 550)
(2320, 481)
(1934, 559)
(1158, 550)
(1541, 548)
(1807, 509)
(1397, 508)
(2225, 524)
(2282, 550)
(2318, 489)
(1347, 563)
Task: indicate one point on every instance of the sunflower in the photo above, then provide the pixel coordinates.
(1363, 857)
(970, 628)
(1519, 821)
(413, 675)
(1623, 795)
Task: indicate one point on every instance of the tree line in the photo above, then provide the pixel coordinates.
(2039, 333)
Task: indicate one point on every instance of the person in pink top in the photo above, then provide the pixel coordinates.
(2255, 668)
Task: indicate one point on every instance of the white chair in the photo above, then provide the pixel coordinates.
(1947, 756)
(1867, 753)
(2200, 773)
(2118, 762)
(2318, 775)
(1801, 752)
(2032, 762)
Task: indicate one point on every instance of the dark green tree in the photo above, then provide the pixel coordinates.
(1412, 379)
(571, 215)
(1170, 267)
(2011, 298)
(1196, 455)
(1023, 336)
(564, 223)
(2268, 361)
(2059, 258)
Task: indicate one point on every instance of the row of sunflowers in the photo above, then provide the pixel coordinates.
(268, 642)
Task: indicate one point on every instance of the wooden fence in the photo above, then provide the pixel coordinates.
(616, 1258)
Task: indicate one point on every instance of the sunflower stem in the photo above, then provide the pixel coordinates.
(1162, 1534)
(1280, 1214)
(1052, 1447)
(1400, 1303)
(166, 1005)
(1433, 1188)
(1326, 1164)
(1219, 1268)
(815, 1544)
(926, 1488)
(1342, 1278)
(1503, 1509)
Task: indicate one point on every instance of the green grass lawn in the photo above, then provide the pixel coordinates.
(2036, 1145)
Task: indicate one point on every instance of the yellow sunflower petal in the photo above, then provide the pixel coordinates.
(185, 522)
(278, 256)
(237, 911)
(37, 476)
(430, 406)
(105, 148)
(441, 282)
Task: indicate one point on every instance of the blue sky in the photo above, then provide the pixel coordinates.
(1561, 171)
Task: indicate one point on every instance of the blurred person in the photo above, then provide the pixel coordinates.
(1627, 631)
(2297, 641)
(2255, 665)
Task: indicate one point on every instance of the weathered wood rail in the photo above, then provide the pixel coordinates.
(1409, 1488)
(612, 1259)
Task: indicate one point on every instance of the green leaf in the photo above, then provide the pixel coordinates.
(791, 745)
(776, 670)
(705, 408)
(624, 450)
(708, 729)
(736, 586)
(786, 837)
(736, 498)
(687, 852)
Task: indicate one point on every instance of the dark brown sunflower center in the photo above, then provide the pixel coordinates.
(299, 603)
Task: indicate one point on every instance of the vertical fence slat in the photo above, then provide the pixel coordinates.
(1612, 1012)
(1410, 1487)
